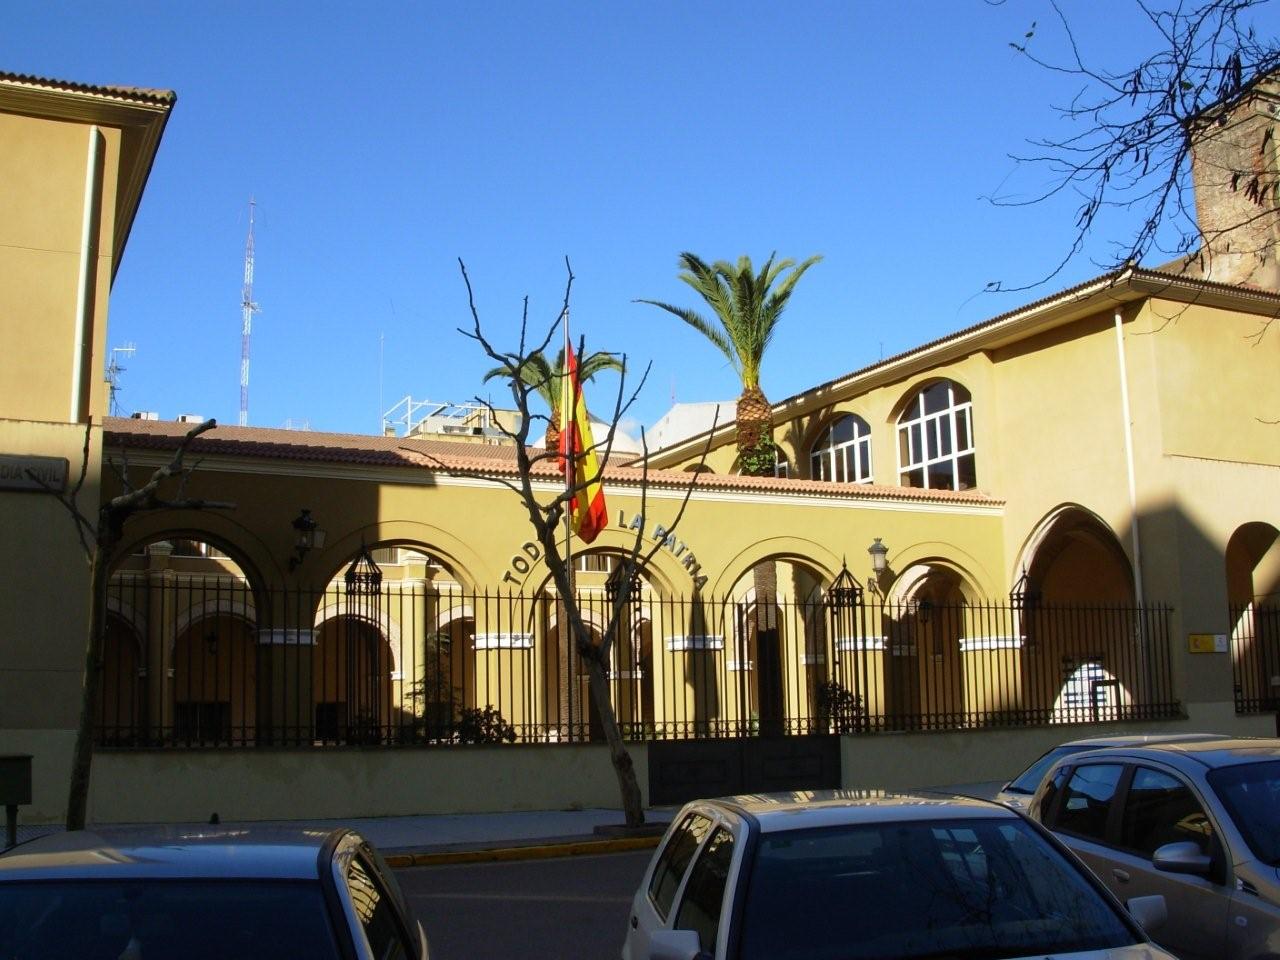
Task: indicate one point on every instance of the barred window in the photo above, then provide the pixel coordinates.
(935, 439)
(842, 453)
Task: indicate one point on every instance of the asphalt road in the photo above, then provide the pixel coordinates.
(573, 908)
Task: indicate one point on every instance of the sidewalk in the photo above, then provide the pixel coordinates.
(474, 837)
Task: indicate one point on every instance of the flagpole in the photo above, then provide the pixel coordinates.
(568, 417)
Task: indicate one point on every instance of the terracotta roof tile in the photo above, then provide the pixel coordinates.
(137, 94)
(469, 459)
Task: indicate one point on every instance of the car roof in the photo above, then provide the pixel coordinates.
(1139, 739)
(825, 808)
(171, 852)
(1198, 753)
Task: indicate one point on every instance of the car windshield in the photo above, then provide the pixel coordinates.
(1251, 794)
(145, 919)
(1030, 778)
(972, 889)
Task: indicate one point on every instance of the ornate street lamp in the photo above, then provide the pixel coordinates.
(307, 537)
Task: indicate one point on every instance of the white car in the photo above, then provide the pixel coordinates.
(852, 876)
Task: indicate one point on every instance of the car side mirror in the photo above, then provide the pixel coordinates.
(675, 945)
(1150, 912)
(1181, 857)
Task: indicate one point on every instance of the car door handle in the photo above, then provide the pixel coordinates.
(634, 923)
(1121, 875)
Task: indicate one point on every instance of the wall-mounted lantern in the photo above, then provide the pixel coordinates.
(879, 564)
(308, 536)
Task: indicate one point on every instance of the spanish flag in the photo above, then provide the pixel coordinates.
(587, 513)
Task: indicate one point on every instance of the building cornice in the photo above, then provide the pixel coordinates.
(1127, 285)
(140, 115)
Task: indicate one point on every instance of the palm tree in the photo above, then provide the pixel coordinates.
(747, 311)
(545, 379)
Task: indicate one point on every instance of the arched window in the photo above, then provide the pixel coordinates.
(781, 466)
(843, 452)
(935, 439)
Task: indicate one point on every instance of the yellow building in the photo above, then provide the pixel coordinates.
(1074, 504)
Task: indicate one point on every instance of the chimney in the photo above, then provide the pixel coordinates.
(1235, 172)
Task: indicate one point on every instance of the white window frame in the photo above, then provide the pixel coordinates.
(829, 455)
(936, 422)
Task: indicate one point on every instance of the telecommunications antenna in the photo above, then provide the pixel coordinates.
(114, 369)
(247, 309)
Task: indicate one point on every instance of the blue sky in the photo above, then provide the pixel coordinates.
(383, 141)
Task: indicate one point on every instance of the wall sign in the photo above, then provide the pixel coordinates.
(1207, 642)
(39, 474)
(522, 561)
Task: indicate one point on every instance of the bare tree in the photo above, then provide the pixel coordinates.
(99, 540)
(547, 516)
(1189, 128)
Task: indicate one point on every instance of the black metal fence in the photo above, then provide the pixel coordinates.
(207, 661)
(1255, 656)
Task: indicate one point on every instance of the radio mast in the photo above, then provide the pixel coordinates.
(247, 309)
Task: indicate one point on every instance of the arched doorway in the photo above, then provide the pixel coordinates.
(215, 671)
(351, 682)
(570, 710)
(180, 655)
(776, 662)
(1253, 595)
(120, 721)
(1080, 629)
(926, 677)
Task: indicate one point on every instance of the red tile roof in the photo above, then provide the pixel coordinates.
(137, 94)
(471, 459)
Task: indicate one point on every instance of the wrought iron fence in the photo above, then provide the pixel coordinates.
(207, 661)
(1255, 656)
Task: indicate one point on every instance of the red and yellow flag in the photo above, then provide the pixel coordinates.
(587, 513)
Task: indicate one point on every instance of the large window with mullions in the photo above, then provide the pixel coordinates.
(842, 452)
(935, 439)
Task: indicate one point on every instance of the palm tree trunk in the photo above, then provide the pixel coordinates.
(755, 422)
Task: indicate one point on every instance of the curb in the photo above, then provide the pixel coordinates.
(544, 851)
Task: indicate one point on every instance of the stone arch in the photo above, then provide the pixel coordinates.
(467, 566)
(787, 548)
(230, 607)
(665, 574)
(336, 607)
(913, 388)
(121, 679)
(1252, 565)
(130, 615)
(820, 425)
(214, 527)
(1073, 556)
(1252, 559)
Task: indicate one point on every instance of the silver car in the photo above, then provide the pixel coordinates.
(1197, 823)
(1018, 792)
(203, 894)
(851, 876)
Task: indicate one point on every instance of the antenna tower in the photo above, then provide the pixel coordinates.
(114, 369)
(247, 309)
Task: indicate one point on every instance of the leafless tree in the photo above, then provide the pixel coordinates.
(99, 539)
(1140, 136)
(546, 515)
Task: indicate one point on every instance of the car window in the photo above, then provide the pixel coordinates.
(191, 919)
(985, 888)
(1027, 781)
(674, 860)
(1251, 794)
(1160, 809)
(1085, 803)
(704, 893)
(375, 911)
